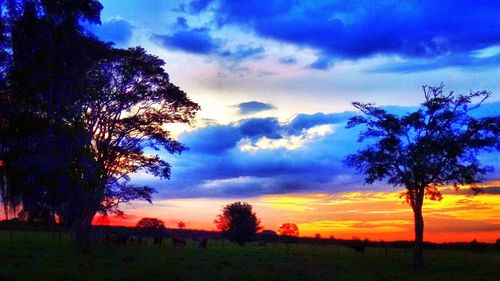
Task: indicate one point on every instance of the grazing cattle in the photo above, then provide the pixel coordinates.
(141, 240)
(178, 241)
(121, 240)
(476, 247)
(358, 247)
(108, 238)
(95, 238)
(157, 240)
(202, 243)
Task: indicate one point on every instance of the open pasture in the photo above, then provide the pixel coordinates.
(41, 256)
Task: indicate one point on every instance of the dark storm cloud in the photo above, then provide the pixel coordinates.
(322, 63)
(200, 41)
(288, 60)
(356, 29)
(197, 6)
(217, 166)
(305, 121)
(219, 138)
(118, 31)
(260, 127)
(213, 139)
(469, 62)
(253, 107)
(243, 52)
(194, 40)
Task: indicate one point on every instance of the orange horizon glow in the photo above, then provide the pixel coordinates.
(368, 215)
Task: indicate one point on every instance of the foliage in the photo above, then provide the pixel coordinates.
(47, 54)
(130, 101)
(150, 223)
(77, 114)
(268, 235)
(181, 225)
(238, 223)
(289, 229)
(434, 146)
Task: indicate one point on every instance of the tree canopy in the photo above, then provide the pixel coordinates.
(150, 223)
(238, 222)
(289, 229)
(78, 114)
(436, 145)
(181, 225)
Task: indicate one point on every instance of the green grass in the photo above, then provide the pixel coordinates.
(41, 256)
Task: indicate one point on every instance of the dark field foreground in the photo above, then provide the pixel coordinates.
(41, 256)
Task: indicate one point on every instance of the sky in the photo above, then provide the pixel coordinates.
(275, 80)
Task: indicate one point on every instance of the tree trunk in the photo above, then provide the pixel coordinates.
(82, 227)
(418, 257)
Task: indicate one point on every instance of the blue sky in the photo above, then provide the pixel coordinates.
(275, 80)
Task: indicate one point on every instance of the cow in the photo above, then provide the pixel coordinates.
(359, 247)
(178, 241)
(202, 243)
(121, 240)
(157, 240)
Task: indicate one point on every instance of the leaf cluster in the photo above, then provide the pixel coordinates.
(238, 222)
(434, 146)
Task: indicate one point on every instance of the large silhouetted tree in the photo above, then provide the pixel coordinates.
(79, 115)
(3, 64)
(434, 146)
(129, 101)
(3, 90)
(47, 53)
(238, 222)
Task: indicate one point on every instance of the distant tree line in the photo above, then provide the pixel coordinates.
(76, 115)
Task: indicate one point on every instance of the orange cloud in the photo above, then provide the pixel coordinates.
(372, 215)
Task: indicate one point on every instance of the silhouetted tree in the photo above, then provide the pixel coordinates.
(289, 229)
(238, 223)
(130, 99)
(150, 223)
(424, 150)
(79, 116)
(268, 236)
(181, 225)
(47, 54)
(3, 93)
(289, 233)
(152, 227)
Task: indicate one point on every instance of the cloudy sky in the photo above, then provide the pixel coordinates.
(275, 80)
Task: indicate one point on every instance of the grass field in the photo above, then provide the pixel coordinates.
(41, 256)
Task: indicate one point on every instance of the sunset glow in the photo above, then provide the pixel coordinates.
(273, 87)
(373, 215)
(249, 140)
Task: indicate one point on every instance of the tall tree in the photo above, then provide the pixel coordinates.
(129, 101)
(434, 146)
(3, 90)
(80, 115)
(238, 222)
(47, 52)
